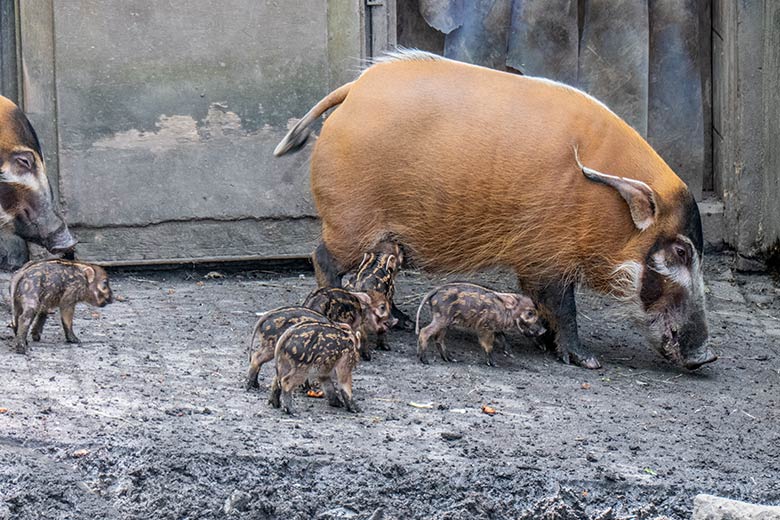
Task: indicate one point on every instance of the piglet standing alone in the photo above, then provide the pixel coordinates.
(478, 308)
(267, 331)
(328, 352)
(360, 310)
(41, 286)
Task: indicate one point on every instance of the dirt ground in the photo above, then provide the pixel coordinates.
(149, 418)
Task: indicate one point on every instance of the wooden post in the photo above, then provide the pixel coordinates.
(746, 123)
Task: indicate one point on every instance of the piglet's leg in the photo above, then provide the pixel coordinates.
(258, 358)
(343, 371)
(381, 341)
(66, 315)
(37, 328)
(286, 398)
(275, 393)
(423, 339)
(331, 394)
(486, 340)
(561, 313)
(22, 327)
(439, 339)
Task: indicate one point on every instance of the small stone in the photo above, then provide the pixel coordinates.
(709, 507)
(237, 501)
(451, 436)
(591, 457)
(725, 291)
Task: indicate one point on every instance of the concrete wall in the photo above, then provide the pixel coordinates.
(159, 118)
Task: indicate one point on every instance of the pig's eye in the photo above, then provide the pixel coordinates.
(25, 160)
(681, 252)
(382, 308)
(529, 315)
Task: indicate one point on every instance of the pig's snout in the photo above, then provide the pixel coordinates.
(60, 242)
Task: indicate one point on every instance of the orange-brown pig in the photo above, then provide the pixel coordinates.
(468, 168)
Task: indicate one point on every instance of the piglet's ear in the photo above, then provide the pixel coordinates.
(89, 273)
(638, 195)
(364, 298)
(509, 300)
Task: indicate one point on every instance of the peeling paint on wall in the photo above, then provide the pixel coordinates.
(177, 130)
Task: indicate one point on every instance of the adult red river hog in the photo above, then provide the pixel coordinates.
(26, 204)
(470, 168)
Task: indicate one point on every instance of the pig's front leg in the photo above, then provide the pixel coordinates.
(560, 309)
(404, 321)
(66, 316)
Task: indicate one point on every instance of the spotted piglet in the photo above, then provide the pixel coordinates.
(40, 286)
(478, 308)
(363, 311)
(376, 272)
(267, 331)
(328, 352)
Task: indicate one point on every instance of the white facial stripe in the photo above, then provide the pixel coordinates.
(626, 279)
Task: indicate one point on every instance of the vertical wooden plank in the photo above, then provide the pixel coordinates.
(769, 231)
(705, 46)
(38, 82)
(346, 40)
(383, 22)
(9, 71)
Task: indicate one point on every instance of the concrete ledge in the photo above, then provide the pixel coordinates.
(708, 507)
(712, 223)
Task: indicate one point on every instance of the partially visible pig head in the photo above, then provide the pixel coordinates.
(26, 203)
(665, 279)
(524, 314)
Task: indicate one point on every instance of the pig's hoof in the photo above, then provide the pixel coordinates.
(585, 361)
(384, 347)
(36, 337)
(251, 383)
(290, 412)
(423, 360)
(20, 349)
(365, 356)
(73, 339)
(353, 408)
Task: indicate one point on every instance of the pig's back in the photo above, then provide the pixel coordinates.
(464, 165)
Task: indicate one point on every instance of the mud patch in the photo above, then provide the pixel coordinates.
(148, 418)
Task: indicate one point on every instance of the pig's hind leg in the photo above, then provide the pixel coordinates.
(331, 393)
(38, 323)
(22, 327)
(343, 382)
(289, 382)
(256, 361)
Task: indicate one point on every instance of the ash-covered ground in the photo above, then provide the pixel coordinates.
(149, 418)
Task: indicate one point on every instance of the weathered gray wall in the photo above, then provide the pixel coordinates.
(746, 119)
(159, 119)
